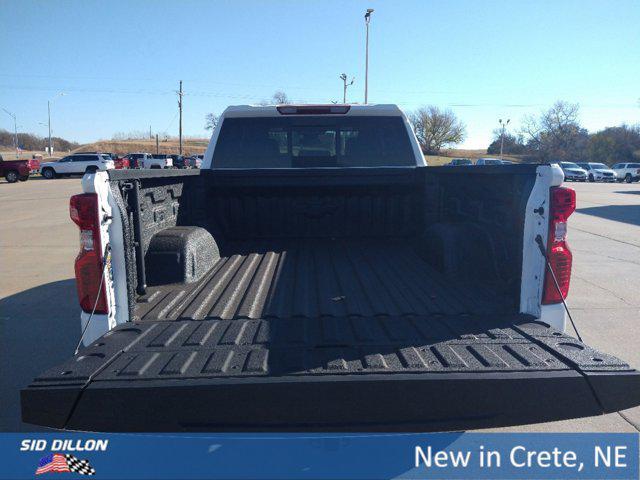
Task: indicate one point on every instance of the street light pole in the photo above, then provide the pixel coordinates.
(367, 19)
(504, 126)
(343, 77)
(15, 129)
(49, 115)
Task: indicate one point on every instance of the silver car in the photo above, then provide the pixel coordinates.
(488, 161)
(572, 172)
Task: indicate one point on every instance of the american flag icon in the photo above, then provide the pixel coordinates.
(57, 462)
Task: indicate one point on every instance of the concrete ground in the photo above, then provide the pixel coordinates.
(39, 313)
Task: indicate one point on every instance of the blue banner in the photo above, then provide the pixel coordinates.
(319, 456)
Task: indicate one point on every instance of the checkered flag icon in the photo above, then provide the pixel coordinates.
(83, 467)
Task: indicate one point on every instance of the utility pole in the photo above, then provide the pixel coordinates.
(150, 135)
(504, 126)
(61, 94)
(180, 108)
(367, 19)
(49, 120)
(15, 129)
(343, 77)
(157, 145)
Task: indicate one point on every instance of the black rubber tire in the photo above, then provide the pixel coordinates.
(49, 173)
(591, 179)
(11, 176)
(628, 178)
(24, 178)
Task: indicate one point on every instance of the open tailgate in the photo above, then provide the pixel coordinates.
(363, 374)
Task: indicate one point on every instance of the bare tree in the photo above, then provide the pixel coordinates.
(211, 120)
(436, 128)
(280, 98)
(556, 134)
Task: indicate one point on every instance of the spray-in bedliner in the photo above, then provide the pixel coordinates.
(415, 373)
(319, 278)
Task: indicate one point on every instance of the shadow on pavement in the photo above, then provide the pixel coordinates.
(39, 328)
(618, 213)
(632, 192)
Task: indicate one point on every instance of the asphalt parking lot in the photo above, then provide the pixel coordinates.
(39, 313)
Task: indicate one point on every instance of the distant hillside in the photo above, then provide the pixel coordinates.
(32, 142)
(190, 146)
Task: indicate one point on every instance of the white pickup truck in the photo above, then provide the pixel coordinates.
(316, 274)
(157, 160)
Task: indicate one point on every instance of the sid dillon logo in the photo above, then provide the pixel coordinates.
(58, 461)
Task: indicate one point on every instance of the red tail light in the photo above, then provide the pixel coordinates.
(83, 210)
(562, 205)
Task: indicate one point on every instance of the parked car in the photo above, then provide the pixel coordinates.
(136, 160)
(627, 172)
(34, 163)
(316, 275)
(76, 164)
(488, 161)
(459, 162)
(178, 161)
(507, 162)
(193, 161)
(598, 172)
(120, 162)
(14, 170)
(157, 160)
(572, 172)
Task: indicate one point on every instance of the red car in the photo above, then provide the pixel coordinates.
(34, 163)
(14, 170)
(118, 161)
(121, 162)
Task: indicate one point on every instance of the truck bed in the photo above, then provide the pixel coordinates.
(317, 279)
(326, 336)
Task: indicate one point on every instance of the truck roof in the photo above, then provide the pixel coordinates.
(386, 110)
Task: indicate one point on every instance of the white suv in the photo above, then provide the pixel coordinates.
(598, 172)
(77, 164)
(628, 172)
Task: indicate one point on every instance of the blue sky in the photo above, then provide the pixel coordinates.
(120, 61)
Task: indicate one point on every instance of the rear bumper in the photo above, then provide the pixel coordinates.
(186, 375)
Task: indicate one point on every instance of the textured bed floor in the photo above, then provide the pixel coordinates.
(317, 279)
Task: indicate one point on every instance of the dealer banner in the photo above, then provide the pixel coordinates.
(320, 456)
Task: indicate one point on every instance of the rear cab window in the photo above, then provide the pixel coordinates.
(313, 141)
